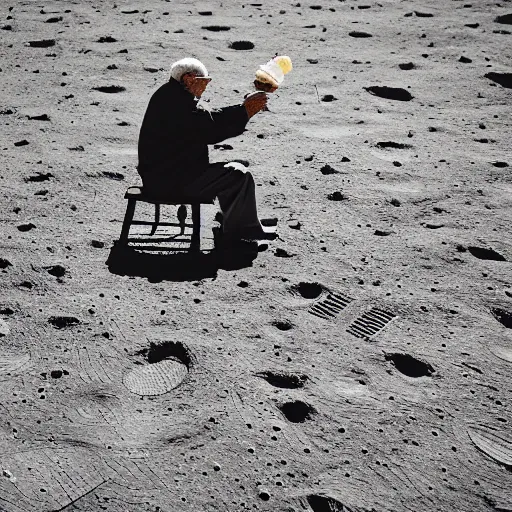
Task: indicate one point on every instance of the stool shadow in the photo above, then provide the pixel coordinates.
(175, 266)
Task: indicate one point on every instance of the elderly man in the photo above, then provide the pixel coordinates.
(173, 149)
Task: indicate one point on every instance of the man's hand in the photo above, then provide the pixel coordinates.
(254, 103)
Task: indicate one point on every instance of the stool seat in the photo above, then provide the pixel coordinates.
(134, 194)
(138, 194)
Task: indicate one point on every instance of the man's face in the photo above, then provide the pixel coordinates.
(196, 85)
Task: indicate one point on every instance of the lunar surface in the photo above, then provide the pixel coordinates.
(361, 362)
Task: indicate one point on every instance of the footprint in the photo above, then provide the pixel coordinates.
(11, 363)
(297, 411)
(168, 365)
(4, 328)
(503, 317)
(503, 353)
(331, 306)
(370, 323)
(284, 380)
(241, 45)
(110, 89)
(493, 444)
(390, 93)
(409, 365)
(485, 254)
(62, 322)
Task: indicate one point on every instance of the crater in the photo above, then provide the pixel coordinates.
(110, 89)
(297, 411)
(308, 290)
(241, 45)
(485, 254)
(320, 503)
(503, 317)
(410, 366)
(390, 93)
(62, 322)
(504, 79)
(284, 380)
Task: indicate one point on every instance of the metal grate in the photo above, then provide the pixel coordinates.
(370, 323)
(331, 306)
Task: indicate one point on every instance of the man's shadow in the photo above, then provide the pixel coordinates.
(171, 265)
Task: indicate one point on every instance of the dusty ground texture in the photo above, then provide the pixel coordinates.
(361, 363)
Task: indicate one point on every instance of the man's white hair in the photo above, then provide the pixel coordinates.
(188, 65)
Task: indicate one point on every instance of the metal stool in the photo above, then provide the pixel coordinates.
(134, 194)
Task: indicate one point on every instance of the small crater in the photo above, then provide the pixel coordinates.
(54, 19)
(504, 79)
(217, 28)
(39, 177)
(297, 411)
(336, 196)
(110, 89)
(406, 66)
(390, 93)
(423, 14)
(42, 117)
(107, 39)
(42, 43)
(97, 244)
(501, 165)
(327, 98)
(379, 232)
(56, 270)
(113, 175)
(410, 366)
(205, 13)
(241, 45)
(485, 254)
(26, 227)
(282, 326)
(282, 253)
(20, 143)
(327, 169)
(393, 145)
(308, 290)
(356, 33)
(62, 322)
(465, 60)
(284, 380)
(503, 317)
(5, 263)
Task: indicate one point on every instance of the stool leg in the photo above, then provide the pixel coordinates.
(182, 215)
(128, 217)
(157, 219)
(195, 243)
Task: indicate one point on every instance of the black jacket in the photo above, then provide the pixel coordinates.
(175, 133)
